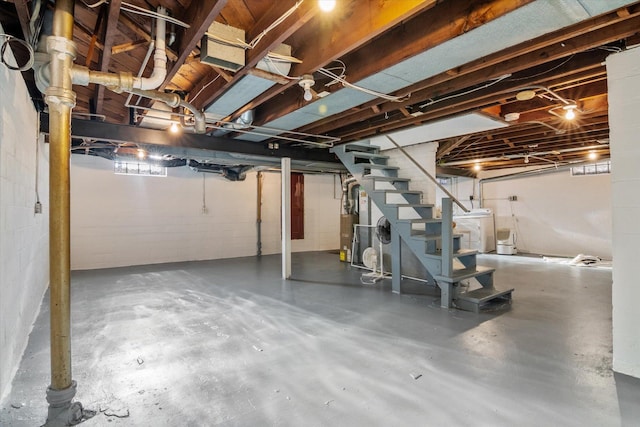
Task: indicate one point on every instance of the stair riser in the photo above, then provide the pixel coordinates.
(411, 212)
(383, 185)
(371, 170)
(400, 199)
(365, 158)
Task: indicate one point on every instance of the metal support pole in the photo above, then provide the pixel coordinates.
(396, 262)
(259, 177)
(61, 99)
(285, 173)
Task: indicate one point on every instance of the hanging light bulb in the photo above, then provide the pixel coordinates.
(174, 128)
(141, 154)
(306, 82)
(571, 113)
(526, 158)
(326, 5)
(593, 155)
(477, 167)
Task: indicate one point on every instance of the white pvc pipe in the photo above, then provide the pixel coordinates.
(159, 58)
(285, 173)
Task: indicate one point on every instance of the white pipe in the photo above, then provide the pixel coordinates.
(159, 57)
(286, 216)
(517, 156)
(141, 70)
(125, 81)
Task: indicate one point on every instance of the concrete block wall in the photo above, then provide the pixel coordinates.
(24, 256)
(120, 220)
(425, 155)
(555, 214)
(623, 77)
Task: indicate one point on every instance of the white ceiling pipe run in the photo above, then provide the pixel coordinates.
(159, 72)
(517, 156)
(173, 100)
(125, 81)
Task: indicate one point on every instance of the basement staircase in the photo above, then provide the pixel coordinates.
(430, 239)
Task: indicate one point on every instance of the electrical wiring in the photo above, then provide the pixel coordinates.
(491, 83)
(345, 83)
(7, 41)
(275, 23)
(342, 75)
(203, 88)
(96, 4)
(268, 59)
(544, 72)
(139, 11)
(145, 12)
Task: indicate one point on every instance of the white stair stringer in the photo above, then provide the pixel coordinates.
(430, 239)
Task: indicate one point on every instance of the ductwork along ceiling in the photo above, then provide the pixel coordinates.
(490, 80)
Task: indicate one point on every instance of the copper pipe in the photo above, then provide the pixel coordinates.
(61, 99)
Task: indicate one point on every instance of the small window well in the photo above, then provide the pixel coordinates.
(592, 169)
(138, 168)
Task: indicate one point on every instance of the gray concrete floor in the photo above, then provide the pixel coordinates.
(228, 342)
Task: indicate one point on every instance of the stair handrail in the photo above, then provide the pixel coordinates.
(424, 171)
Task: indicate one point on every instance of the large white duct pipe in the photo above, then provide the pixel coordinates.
(125, 81)
(159, 72)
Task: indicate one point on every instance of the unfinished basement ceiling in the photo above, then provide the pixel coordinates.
(442, 60)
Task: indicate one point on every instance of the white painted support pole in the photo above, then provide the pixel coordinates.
(285, 174)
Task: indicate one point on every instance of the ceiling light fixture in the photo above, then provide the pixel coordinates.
(525, 95)
(141, 154)
(526, 158)
(593, 155)
(326, 5)
(306, 82)
(477, 167)
(174, 128)
(570, 111)
(511, 117)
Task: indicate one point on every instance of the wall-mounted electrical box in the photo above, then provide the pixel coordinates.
(220, 47)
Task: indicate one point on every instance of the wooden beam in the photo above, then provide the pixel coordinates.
(446, 149)
(111, 26)
(200, 14)
(443, 84)
(446, 21)
(209, 92)
(24, 15)
(544, 49)
(126, 47)
(142, 33)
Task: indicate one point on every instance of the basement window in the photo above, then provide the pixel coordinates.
(140, 169)
(592, 169)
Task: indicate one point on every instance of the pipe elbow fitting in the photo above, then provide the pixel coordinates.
(80, 75)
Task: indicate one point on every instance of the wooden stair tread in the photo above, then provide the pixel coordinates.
(466, 273)
(421, 220)
(481, 295)
(375, 166)
(398, 191)
(413, 205)
(460, 253)
(386, 178)
(359, 146)
(366, 155)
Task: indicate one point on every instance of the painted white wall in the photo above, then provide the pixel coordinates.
(623, 76)
(555, 214)
(24, 256)
(424, 154)
(120, 220)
